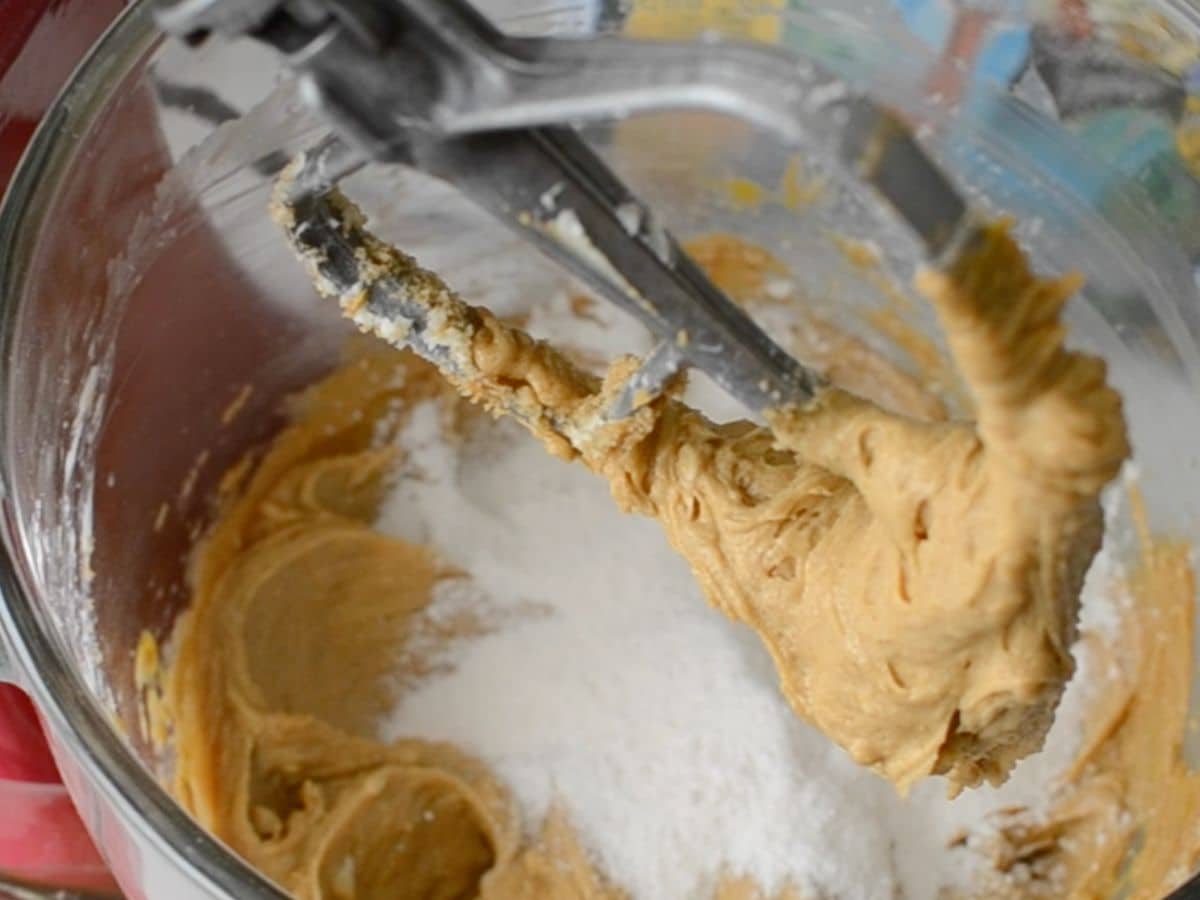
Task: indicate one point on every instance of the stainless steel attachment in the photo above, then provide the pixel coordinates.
(433, 85)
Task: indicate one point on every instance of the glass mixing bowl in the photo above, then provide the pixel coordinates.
(142, 289)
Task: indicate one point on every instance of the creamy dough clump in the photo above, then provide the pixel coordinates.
(917, 584)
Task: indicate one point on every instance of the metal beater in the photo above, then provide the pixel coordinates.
(432, 84)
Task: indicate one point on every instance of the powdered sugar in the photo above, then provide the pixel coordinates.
(612, 688)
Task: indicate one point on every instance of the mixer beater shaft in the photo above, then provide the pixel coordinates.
(432, 85)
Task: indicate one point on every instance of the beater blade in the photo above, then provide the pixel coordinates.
(432, 85)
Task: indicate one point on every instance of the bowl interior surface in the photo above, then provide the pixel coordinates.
(147, 293)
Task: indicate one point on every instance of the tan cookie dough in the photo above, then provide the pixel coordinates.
(916, 583)
(289, 655)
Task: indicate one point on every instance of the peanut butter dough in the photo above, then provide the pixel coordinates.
(288, 656)
(916, 583)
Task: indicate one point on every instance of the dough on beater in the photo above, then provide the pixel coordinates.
(916, 583)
